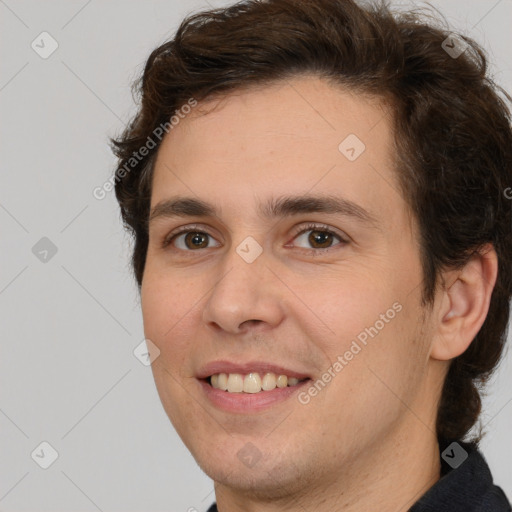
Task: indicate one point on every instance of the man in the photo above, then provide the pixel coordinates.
(323, 249)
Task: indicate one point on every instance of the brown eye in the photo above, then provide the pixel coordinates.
(316, 237)
(320, 239)
(195, 240)
(190, 240)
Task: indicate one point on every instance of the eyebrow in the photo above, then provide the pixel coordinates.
(274, 208)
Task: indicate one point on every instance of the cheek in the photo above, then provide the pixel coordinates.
(156, 303)
(369, 318)
(167, 310)
(377, 378)
(344, 302)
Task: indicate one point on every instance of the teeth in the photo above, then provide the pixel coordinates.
(269, 382)
(251, 383)
(222, 382)
(235, 383)
(282, 381)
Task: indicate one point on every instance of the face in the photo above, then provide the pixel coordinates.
(280, 245)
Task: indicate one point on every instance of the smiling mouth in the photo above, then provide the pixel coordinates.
(251, 382)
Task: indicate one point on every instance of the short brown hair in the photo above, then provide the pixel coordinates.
(451, 130)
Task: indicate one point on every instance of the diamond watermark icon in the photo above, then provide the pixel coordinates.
(454, 46)
(44, 455)
(146, 352)
(44, 45)
(454, 455)
(352, 147)
(44, 250)
(249, 249)
(249, 455)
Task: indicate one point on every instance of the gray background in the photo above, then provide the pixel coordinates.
(69, 324)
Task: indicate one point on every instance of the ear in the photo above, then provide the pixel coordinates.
(464, 305)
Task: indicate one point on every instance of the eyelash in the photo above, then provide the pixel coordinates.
(299, 231)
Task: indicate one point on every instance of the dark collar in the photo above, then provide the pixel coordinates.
(465, 484)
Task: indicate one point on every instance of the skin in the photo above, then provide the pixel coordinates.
(367, 440)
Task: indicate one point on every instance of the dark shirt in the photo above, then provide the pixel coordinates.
(464, 486)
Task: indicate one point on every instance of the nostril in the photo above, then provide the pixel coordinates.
(250, 322)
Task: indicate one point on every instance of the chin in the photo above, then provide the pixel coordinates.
(270, 478)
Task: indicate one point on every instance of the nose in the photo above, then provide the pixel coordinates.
(246, 296)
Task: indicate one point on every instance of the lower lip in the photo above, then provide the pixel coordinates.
(249, 402)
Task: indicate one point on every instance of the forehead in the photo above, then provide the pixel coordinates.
(297, 136)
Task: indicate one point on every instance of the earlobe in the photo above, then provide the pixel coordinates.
(465, 303)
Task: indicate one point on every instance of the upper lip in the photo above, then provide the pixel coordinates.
(215, 367)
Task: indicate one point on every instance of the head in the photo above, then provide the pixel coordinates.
(280, 105)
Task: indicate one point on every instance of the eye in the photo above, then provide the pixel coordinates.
(189, 239)
(318, 237)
